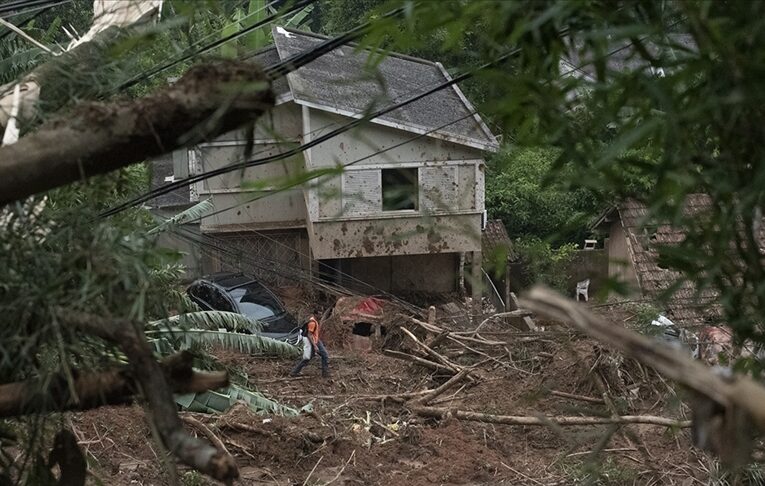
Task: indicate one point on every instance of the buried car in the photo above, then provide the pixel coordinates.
(243, 294)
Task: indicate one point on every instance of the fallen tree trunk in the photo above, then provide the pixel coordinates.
(741, 390)
(436, 412)
(95, 138)
(91, 390)
(153, 386)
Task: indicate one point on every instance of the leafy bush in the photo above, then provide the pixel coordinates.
(545, 264)
(518, 193)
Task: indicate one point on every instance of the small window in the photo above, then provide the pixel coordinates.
(399, 189)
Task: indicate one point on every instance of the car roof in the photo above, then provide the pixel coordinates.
(230, 280)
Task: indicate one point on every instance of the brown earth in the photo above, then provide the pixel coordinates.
(350, 440)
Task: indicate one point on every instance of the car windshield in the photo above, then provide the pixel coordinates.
(255, 302)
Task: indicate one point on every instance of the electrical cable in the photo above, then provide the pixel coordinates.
(265, 160)
(18, 8)
(263, 196)
(185, 57)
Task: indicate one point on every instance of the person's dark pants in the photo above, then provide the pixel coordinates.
(324, 360)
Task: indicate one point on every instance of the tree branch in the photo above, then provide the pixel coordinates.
(92, 390)
(159, 398)
(95, 138)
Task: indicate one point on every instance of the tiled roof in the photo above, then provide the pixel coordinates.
(686, 306)
(348, 82)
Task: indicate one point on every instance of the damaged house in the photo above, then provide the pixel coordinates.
(633, 259)
(399, 204)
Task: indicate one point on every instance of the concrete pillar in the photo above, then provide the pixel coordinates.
(476, 284)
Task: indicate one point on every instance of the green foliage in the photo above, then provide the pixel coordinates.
(211, 320)
(221, 400)
(544, 263)
(645, 313)
(517, 193)
(193, 478)
(244, 343)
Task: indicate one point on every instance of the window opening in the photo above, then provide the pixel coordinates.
(399, 189)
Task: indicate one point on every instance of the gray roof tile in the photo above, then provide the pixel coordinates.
(345, 81)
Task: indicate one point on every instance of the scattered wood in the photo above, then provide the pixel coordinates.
(581, 398)
(437, 412)
(418, 360)
(430, 352)
(433, 394)
(724, 406)
(206, 431)
(526, 322)
(155, 389)
(438, 330)
(395, 397)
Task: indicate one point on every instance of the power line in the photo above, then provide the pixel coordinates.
(18, 8)
(263, 196)
(265, 160)
(185, 57)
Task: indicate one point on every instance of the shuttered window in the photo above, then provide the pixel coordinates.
(361, 192)
(439, 188)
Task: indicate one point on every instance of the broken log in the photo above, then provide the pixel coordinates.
(577, 397)
(91, 390)
(670, 362)
(436, 412)
(450, 383)
(438, 330)
(96, 138)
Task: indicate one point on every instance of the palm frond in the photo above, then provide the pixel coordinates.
(212, 320)
(244, 343)
(222, 400)
(194, 213)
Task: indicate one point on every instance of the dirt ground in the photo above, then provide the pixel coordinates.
(354, 437)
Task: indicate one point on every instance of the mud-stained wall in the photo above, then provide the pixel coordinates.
(346, 209)
(620, 265)
(396, 236)
(400, 274)
(259, 193)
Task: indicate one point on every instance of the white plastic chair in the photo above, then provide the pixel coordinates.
(582, 288)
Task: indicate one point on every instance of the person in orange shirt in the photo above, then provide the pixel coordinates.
(312, 344)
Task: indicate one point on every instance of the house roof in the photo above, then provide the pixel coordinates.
(495, 237)
(686, 306)
(344, 81)
(623, 57)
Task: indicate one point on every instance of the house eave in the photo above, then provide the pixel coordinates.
(407, 127)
